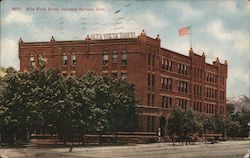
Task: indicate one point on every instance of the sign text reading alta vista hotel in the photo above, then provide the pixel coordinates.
(120, 35)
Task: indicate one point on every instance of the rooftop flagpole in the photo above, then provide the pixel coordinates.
(186, 31)
(191, 32)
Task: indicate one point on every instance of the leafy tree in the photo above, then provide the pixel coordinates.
(232, 127)
(174, 122)
(207, 124)
(243, 117)
(219, 124)
(47, 102)
(110, 103)
(123, 115)
(230, 108)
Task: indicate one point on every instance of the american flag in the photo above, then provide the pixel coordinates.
(184, 31)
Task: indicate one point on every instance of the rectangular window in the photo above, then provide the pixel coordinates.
(186, 87)
(153, 60)
(73, 58)
(170, 84)
(185, 69)
(166, 65)
(149, 79)
(124, 57)
(178, 102)
(162, 83)
(200, 107)
(64, 73)
(105, 73)
(153, 124)
(153, 99)
(170, 102)
(153, 80)
(114, 56)
(178, 83)
(162, 64)
(148, 99)
(114, 75)
(73, 73)
(148, 123)
(182, 86)
(182, 69)
(200, 73)
(166, 82)
(195, 90)
(162, 101)
(170, 65)
(124, 76)
(166, 102)
(179, 68)
(149, 59)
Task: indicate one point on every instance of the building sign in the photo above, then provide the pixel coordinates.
(120, 35)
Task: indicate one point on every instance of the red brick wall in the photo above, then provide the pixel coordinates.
(89, 58)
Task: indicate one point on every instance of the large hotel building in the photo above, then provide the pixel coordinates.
(163, 78)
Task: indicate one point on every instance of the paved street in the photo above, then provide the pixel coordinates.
(229, 149)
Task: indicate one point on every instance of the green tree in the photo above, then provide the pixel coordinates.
(243, 117)
(123, 115)
(47, 102)
(230, 108)
(232, 127)
(174, 121)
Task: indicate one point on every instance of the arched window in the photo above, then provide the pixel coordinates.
(73, 59)
(105, 58)
(31, 60)
(64, 59)
(40, 59)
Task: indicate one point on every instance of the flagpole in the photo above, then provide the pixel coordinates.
(191, 36)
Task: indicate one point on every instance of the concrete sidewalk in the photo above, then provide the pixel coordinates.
(229, 149)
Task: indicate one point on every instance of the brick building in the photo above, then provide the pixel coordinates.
(163, 78)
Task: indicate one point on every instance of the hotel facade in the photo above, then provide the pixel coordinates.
(163, 78)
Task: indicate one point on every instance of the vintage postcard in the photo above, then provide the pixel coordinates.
(143, 78)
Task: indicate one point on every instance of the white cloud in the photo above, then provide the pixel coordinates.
(230, 6)
(239, 74)
(17, 17)
(241, 42)
(102, 5)
(211, 52)
(9, 53)
(216, 28)
(187, 11)
(155, 22)
(238, 39)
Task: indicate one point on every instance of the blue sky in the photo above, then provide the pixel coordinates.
(220, 28)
